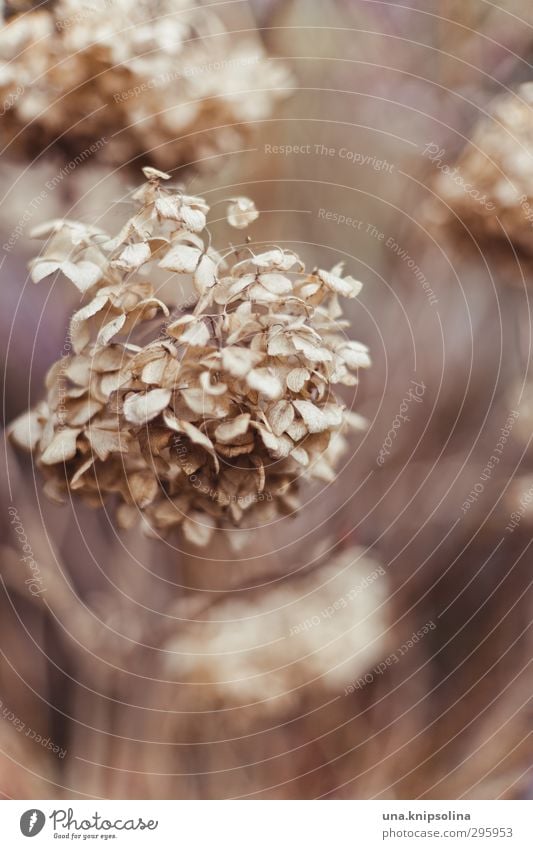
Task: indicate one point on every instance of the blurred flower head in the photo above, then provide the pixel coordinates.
(162, 82)
(489, 188)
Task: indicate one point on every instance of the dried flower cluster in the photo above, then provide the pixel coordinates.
(214, 421)
(144, 79)
(490, 186)
(332, 623)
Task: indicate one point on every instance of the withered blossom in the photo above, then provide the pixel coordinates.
(332, 622)
(162, 83)
(216, 419)
(489, 187)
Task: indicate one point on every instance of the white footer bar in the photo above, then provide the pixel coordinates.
(267, 824)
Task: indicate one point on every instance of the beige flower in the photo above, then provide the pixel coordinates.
(490, 185)
(241, 212)
(162, 81)
(324, 629)
(219, 416)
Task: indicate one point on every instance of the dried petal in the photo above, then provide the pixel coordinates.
(297, 378)
(345, 286)
(153, 173)
(133, 256)
(84, 274)
(314, 418)
(142, 407)
(61, 448)
(27, 429)
(280, 416)
(143, 487)
(265, 381)
(241, 212)
(198, 528)
(111, 329)
(181, 258)
(239, 361)
(227, 432)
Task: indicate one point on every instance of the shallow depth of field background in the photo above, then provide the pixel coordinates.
(164, 673)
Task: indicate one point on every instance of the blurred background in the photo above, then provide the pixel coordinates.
(378, 645)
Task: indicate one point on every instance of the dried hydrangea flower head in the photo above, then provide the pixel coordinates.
(332, 622)
(490, 186)
(138, 79)
(213, 421)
